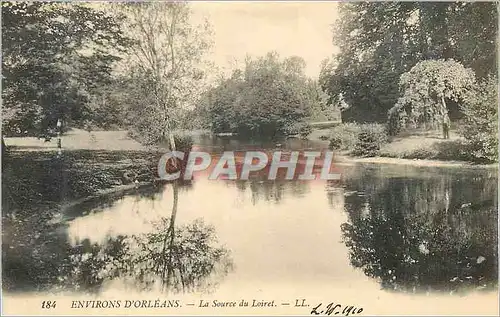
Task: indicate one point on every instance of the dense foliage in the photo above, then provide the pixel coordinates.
(379, 41)
(143, 262)
(480, 126)
(54, 56)
(360, 138)
(270, 97)
(426, 91)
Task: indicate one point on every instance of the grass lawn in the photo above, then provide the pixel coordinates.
(423, 145)
(77, 139)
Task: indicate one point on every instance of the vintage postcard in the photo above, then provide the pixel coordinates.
(249, 158)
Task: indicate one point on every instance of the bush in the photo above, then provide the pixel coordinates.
(183, 143)
(480, 126)
(370, 139)
(347, 137)
(366, 145)
(335, 143)
(305, 130)
(378, 131)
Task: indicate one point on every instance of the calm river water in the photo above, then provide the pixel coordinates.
(382, 233)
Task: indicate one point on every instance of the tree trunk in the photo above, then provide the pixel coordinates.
(168, 265)
(4, 150)
(171, 140)
(444, 117)
(169, 262)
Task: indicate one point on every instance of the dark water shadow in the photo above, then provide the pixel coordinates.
(436, 232)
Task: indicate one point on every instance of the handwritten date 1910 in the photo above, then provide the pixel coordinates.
(336, 309)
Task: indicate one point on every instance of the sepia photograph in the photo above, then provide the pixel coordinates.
(249, 158)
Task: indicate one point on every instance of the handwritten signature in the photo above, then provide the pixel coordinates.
(336, 309)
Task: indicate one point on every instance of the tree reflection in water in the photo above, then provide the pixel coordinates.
(263, 189)
(424, 234)
(171, 258)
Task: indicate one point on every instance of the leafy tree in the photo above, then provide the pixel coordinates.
(54, 55)
(480, 126)
(426, 89)
(374, 42)
(164, 70)
(474, 31)
(321, 110)
(106, 106)
(380, 41)
(269, 98)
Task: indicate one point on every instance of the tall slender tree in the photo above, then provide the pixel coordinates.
(165, 66)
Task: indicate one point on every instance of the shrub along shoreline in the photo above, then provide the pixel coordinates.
(359, 142)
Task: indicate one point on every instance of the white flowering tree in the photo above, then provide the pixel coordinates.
(427, 88)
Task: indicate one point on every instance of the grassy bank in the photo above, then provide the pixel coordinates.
(36, 178)
(370, 143)
(345, 159)
(36, 187)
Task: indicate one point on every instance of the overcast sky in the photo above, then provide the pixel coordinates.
(290, 28)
